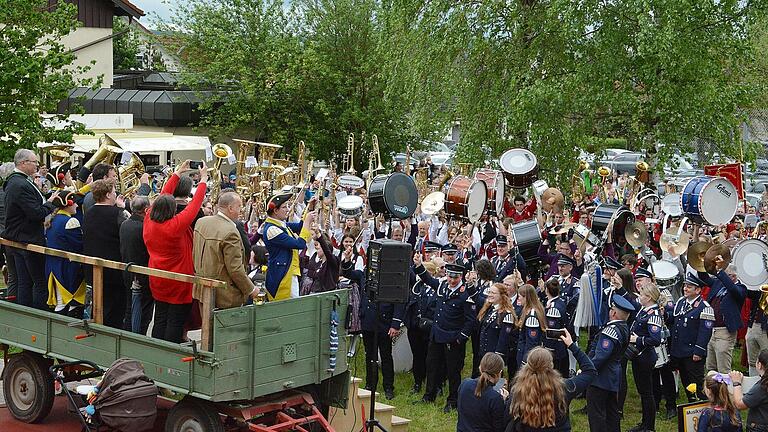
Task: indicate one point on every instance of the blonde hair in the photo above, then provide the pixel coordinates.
(505, 303)
(430, 266)
(538, 394)
(652, 291)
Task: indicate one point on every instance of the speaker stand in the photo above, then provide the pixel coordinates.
(372, 423)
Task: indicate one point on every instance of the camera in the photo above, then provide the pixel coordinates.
(195, 164)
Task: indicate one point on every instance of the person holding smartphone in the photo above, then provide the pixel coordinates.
(557, 319)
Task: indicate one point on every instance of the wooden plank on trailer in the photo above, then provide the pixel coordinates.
(98, 294)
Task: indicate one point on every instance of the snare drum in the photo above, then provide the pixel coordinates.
(393, 195)
(750, 257)
(351, 206)
(709, 200)
(582, 234)
(667, 275)
(521, 168)
(527, 236)
(466, 198)
(494, 180)
(605, 213)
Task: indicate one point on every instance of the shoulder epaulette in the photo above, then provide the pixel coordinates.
(553, 312)
(508, 319)
(532, 322)
(655, 320)
(72, 223)
(707, 313)
(611, 332)
(273, 232)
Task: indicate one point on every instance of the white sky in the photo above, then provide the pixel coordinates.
(153, 10)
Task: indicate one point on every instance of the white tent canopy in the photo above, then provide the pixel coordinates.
(140, 142)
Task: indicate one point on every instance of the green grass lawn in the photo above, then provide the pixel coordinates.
(430, 417)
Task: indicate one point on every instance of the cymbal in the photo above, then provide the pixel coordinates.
(636, 234)
(709, 257)
(696, 255)
(562, 229)
(433, 203)
(670, 242)
(547, 196)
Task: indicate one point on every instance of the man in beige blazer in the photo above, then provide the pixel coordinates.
(218, 253)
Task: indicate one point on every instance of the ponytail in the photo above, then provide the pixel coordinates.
(762, 358)
(490, 368)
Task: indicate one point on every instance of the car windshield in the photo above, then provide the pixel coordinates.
(439, 147)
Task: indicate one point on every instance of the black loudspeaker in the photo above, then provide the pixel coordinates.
(389, 263)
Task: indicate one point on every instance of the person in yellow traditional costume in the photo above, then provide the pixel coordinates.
(66, 284)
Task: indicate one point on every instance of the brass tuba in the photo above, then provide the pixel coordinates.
(578, 189)
(243, 182)
(130, 175)
(106, 153)
(763, 303)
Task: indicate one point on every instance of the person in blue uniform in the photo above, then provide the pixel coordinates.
(66, 280)
(690, 322)
(387, 323)
(557, 318)
(512, 283)
(419, 316)
(531, 322)
(606, 354)
(645, 335)
(455, 314)
(283, 241)
(569, 286)
(484, 274)
(505, 263)
(480, 406)
(496, 320)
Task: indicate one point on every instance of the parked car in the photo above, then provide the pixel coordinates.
(754, 199)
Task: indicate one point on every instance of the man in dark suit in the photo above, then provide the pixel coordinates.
(25, 212)
(133, 250)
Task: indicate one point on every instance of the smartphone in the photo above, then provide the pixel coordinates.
(195, 164)
(555, 333)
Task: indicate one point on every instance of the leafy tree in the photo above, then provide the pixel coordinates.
(309, 73)
(37, 72)
(557, 75)
(125, 47)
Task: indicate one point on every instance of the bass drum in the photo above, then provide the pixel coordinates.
(494, 180)
(751, 259)
(393, 195)
(709, 200)
(521, 168)
(466, 198)
(605, 213)
(527, 236)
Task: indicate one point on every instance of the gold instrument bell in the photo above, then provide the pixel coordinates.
(636, 234)
(709, 257)
(603, 171)
(696, 255)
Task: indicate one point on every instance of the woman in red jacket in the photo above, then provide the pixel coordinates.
(168, 237)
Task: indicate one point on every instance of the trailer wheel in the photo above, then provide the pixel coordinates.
(192, 415)
(28, 387)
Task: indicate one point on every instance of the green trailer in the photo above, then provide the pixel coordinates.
(251, 357)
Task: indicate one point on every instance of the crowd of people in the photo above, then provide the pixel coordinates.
(469, 285)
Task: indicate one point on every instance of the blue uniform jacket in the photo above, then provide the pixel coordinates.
(495, 331)
(506, 267)
(569, 293)
(731, 295)
(606, 354)
(530, 336)
(280, 250)
(648, 327)
(421, 303)
(557, 318)
(690, 325)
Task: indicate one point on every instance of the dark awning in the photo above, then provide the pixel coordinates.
(149, 107)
